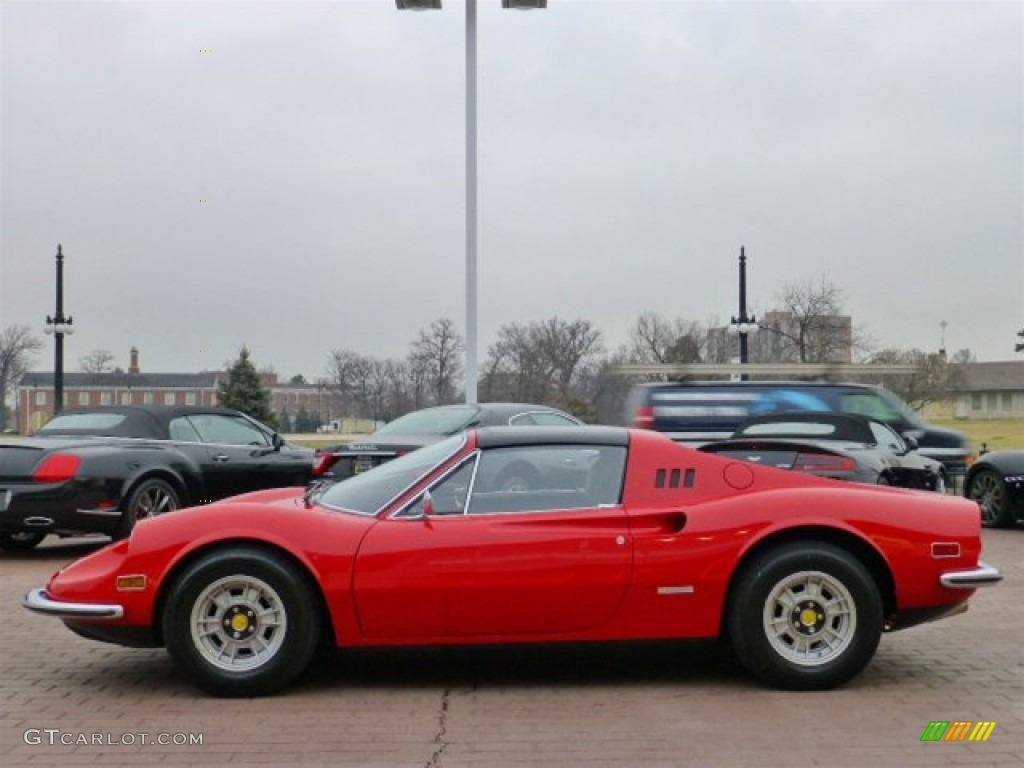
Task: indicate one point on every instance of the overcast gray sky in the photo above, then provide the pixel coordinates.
(626, 150)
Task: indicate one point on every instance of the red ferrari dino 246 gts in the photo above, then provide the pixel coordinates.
(612, 534)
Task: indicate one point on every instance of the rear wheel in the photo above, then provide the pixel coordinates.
(241, 622)
(988, 489)
(805, 616)
(22, 541)
(150, 497)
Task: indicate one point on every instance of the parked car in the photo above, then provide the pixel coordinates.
(833, 445)
(802, 574)
(419, 428)
(100, 470)
(701, 411)
(996, 482)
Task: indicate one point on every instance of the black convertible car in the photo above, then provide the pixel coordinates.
(996, 482)
(840, 446)
(99, 470)
(430, 425)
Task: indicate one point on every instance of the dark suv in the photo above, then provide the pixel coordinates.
(699, 412)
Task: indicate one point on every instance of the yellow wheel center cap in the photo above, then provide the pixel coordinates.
(239, 622)
(808, 617)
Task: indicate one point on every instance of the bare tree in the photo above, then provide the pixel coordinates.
(97, 361)
(348, 372)
(542, 362)
(809, 326)
(436, 354)
(935, 379)
(17, 345)
(656, 339)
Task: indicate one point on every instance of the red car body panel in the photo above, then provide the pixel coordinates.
(660, 565)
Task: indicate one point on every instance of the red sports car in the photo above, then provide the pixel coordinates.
(623, 535)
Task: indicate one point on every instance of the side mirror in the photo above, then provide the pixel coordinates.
(427, 502)
(277, 441)
(911, 442)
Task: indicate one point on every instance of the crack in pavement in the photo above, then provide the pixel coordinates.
(440, 745)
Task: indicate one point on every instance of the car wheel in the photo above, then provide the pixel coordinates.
(150, 497)
(241, 622)
(21, 541)
(883, 480)
(806, 616)
(988, 489)
(519, 478)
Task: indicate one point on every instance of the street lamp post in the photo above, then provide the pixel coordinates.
(59, 326)
(472, 366)
(743, 325)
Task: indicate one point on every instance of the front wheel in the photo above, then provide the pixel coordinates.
(989, 491)
(805, 616)
(241, 622)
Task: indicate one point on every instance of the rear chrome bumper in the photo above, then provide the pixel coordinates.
(39, 602)
(982, 576)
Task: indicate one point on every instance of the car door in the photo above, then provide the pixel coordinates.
(469, 561)
(240, 456)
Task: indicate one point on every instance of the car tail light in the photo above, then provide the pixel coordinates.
(322, 463)
(823, 462)
(644, 418)
(57, 468)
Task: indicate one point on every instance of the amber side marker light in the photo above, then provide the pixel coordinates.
(132, 583)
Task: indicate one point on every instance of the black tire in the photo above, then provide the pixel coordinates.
(988, 489)
(518, 478)
(788, 603)
(259, 637)
(22, 541)
(150, 497)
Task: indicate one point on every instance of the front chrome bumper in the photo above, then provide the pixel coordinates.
(982, 576)
(39, 602)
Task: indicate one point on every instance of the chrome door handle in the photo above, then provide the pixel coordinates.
(221, 457)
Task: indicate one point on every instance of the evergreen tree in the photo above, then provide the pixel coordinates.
(244, 392)
(303, 425)
(284, 422)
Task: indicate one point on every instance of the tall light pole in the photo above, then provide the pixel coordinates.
(743, 325)
(472, 366)
(59, 326)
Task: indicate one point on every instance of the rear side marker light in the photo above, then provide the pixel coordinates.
(57, 468)
(944, 549)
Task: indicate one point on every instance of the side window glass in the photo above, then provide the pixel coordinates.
(868, 404)
(181, 430)
(547, 478)
(522, 420)
(886, 438)
(448, 497)
(227, 430)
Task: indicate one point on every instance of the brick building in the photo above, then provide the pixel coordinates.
(35, 399)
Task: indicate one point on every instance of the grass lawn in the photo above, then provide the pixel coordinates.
(997, 434)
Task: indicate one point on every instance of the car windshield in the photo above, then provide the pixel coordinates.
(432, 421)
(369, 492)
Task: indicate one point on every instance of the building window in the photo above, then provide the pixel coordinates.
(1007, 398)
(104, 398)
(168, 398)
(126, 398)
(40, 398)
(976, 401)
(83, 398)
(190, 398)
(147, 398)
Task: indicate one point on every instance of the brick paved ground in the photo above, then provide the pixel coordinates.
(651, 705)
